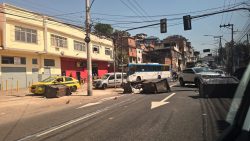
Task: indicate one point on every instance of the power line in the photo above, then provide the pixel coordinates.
(141, 13)
(145, 12)
(129, 8)
(32, 14)
(167, 15)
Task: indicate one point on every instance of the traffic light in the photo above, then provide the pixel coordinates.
(187, 22)
(163, 24)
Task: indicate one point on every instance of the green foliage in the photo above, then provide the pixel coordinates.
(103, 29)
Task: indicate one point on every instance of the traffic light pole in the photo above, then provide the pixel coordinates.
(87, 40)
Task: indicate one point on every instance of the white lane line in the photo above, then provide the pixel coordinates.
(168, 97)
(52, 129)
(89, 104)
(109, 98)
(99, 102)
(155, 104)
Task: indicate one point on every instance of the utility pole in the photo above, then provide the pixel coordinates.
(248, 43)
(232, 69)
(87, 40)
(220, 57)
(122, 56)
(114, 58)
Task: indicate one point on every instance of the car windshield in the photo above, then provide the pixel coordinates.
(49, 79)
(202, 69)
(105, 76)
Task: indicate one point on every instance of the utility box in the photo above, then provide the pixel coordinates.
(221, 87)
(155, 86)
(56, 91)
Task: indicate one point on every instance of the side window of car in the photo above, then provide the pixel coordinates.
(190, 71)
(112, 77)
(124, 76)
(59, 79)
(185, 71)
(68, 79)
(118, 76)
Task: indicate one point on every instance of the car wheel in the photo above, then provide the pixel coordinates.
(73, 89)
(182, 83)
(197, 82)
(104, 86)
(138, 78)
(159, 77)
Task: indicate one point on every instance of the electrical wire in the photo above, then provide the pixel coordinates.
(130, 8)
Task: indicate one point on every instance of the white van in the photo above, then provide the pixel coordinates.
(108, 80)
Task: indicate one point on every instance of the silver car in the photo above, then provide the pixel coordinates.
(193, 75)
(110, 80)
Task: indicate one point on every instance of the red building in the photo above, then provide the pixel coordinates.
(77, 68)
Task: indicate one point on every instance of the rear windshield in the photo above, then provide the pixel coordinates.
(198, 70)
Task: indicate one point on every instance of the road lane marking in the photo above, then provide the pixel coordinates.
(89, 104)
(70, 122)
(109, 98)
(99, 102)
(155, 104)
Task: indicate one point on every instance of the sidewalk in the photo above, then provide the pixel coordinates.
(24, 93)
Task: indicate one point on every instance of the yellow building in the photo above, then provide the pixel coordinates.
(34, 47)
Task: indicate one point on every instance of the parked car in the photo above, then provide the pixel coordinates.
(221, 72)
(39, 88)
(192, 75)
(109, 80)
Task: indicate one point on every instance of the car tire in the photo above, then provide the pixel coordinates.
(182, 83)
(104, 86)
(73, 89)
(159, 77)
(197, 82)
(138, 78)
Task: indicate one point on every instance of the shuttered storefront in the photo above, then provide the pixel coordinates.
(14, 76)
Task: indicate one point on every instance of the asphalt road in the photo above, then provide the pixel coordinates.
(174, 116)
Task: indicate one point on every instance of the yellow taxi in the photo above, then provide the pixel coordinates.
(39, 87)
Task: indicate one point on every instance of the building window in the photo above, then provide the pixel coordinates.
(25, 35)
(7, 60)
(58, 41)
(107, 51)
(34, 61)
(95, 49)
(80, 46)
(13, 60)
(49, 62)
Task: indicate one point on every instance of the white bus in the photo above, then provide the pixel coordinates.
(146, 71)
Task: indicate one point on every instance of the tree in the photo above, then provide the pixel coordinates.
(121, 33)
(103, 29)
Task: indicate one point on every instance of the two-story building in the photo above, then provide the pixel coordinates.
(34, 47)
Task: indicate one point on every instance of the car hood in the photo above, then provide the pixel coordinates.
(42, 83)
(97, 80)
(208, 73)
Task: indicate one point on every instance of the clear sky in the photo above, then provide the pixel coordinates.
(122, 13)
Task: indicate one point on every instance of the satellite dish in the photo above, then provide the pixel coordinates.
(62, 52)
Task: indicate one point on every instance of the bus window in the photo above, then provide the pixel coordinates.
(132, 70)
